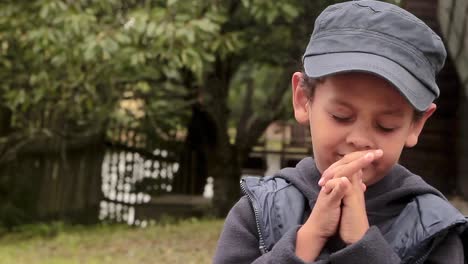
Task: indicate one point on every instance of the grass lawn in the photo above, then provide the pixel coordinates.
(188, 241)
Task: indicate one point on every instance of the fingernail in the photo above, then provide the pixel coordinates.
(320, 182)
(378, 153)
(369, 156)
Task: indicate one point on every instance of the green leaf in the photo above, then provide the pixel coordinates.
(290, 11)
(58, 60)
(171, 2)
(122, 38)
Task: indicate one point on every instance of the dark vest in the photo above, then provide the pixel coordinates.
(423, 223)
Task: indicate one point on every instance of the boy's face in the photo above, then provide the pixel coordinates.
(357, 111)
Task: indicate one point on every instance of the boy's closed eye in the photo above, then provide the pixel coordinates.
(341, 114)
(382, 126)
(389, 123)
(386, 129)
(341, 118)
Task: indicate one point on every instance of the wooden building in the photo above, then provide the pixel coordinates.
(442, 153)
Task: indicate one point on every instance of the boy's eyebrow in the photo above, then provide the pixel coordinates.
(341, 102)
(394, 111)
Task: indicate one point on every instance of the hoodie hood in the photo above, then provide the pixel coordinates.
(384, 199)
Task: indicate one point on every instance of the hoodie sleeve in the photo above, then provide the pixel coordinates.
(238, 243)
(449, 250)
(373, 248)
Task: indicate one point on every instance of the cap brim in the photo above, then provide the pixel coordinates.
(419, 96)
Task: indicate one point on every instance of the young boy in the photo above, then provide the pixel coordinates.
(366, 92)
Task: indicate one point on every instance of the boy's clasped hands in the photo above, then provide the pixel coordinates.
(340, 207)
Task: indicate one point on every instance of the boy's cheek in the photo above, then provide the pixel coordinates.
(323, 163)
(377, 171)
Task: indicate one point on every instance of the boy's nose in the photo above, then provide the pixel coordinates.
(360, 137)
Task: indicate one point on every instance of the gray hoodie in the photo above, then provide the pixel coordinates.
(385, 200)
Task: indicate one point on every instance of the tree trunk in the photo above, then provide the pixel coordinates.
(5, 121)
(194, 167)
(208, 152)
(226, 170)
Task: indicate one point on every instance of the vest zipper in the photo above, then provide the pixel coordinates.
(262, 246)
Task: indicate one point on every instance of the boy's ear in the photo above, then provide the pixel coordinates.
(300, 99)
(418, 125)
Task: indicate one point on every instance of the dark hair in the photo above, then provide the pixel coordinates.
(417, 115)
(309, 84)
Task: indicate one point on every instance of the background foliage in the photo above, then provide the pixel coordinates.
(73, 69)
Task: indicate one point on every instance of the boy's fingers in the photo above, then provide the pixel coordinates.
(357, 179)
(346, 159)
(343, 171)
(355, 155)
(329, 186)
(335, 189)
(342, 185)
(351, 170)
(349, 158)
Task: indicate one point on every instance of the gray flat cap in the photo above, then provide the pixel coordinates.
(379, 38)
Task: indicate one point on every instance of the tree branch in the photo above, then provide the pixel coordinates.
(257, 124)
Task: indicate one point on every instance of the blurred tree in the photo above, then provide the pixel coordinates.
(247, 88)
(65, 66)
(5, 116)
